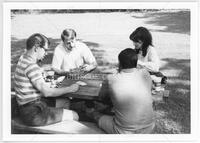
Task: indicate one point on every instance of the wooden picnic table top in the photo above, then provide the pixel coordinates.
(90, 91)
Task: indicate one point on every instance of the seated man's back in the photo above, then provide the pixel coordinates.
(131, 97)
(130, 93)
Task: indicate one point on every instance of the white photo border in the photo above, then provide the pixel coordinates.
(7, 7)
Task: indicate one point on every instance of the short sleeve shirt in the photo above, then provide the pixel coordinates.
(67, 60)
(131, 98)
(26, 73)
(151, 60)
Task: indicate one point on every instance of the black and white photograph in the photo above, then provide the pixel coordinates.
(98, 69)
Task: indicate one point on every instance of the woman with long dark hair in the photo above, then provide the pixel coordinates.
(147, 54)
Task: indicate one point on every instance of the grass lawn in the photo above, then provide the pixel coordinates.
(106, 37)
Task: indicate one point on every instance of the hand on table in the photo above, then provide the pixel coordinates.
(86, 68)
(75, 72)
(74, 87)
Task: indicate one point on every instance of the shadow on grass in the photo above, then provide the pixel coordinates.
(175, 22)
(182, 65)
(18, 47)
(173, 115)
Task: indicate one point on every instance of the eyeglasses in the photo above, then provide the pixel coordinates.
(67, 42)
(44, 49)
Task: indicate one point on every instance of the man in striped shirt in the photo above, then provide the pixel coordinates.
(31, 88)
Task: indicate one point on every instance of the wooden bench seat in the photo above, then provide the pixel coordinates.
(65, 127)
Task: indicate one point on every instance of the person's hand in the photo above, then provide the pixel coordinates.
(86, 67)
(74, 71)
(74, 87)
(78, 71)
(140, 64)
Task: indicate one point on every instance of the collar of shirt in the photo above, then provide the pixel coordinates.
(28, 57)
(128, 70)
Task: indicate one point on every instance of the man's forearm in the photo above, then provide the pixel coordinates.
(47, 91)
(93, 66)
(90, 67)
(54, 92)
(60, 72)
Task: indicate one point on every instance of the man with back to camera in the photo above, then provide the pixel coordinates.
(31, 88)
(71, 54)
(130, 94)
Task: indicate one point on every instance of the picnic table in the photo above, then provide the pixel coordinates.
(94, 87)
(90, 91)
(94, 81)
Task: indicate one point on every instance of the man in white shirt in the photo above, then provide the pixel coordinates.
(72, 55)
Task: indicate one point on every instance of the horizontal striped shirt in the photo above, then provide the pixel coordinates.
(27, 71)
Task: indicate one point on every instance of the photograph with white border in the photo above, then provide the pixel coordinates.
(39, 77)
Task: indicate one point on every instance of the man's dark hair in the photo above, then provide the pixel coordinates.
(68, 33)
(142, 34)
(36, 39)
(128, 58)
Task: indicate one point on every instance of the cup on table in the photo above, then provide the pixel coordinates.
(50, 75)
(166, 93)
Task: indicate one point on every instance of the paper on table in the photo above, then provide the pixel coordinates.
(60, 79)
(81, 83)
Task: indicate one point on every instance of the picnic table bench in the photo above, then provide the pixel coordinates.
(64, 127)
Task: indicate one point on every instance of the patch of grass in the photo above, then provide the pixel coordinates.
(173, 115)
